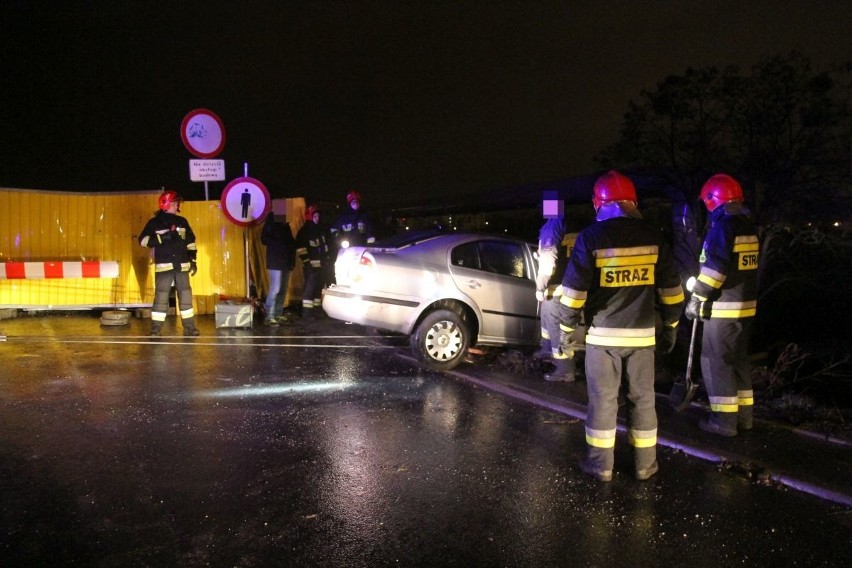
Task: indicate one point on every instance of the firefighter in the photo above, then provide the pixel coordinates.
(354, 227)
(175, 251)
(554, 246)
(725, 299)
(311, 248)
(620, 271)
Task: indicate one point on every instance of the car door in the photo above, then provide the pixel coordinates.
(495, 274)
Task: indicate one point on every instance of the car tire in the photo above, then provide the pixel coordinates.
(441, 340)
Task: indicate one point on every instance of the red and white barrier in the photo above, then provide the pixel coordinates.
(58, 269)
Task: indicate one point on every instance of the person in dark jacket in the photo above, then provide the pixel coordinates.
(280, 260)
(312, 248)
(725, 298)
(175, 252)
(619, 275)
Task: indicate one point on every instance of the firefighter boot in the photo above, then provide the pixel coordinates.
(598, 464)
(721, 423)
(156, 327)
(544, 351)
(564, 371)
(646, 462)
(189, 328)
(647, 473)
(745, 418)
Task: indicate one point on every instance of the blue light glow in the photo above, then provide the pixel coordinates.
(273, 389)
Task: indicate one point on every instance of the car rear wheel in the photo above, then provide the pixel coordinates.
(441, 340)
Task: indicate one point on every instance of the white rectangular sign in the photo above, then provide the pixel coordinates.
(207, 170)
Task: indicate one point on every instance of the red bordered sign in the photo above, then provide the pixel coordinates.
(203, 133)
(245, 201)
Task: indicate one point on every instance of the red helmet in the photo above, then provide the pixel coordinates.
(309, 212)
(353, 196)
(169, 197)
(719, 189)
(613, 186)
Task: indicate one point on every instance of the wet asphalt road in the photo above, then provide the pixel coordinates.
(290, 448)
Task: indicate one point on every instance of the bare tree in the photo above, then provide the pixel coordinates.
(783, 130)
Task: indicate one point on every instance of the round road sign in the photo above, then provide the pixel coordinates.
(245, 200)
(203, 133)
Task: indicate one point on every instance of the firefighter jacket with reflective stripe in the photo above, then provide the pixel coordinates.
(311, 244)
(727, 279)
(354, 227)
(172, 239)
(554, 247)
(620, 272)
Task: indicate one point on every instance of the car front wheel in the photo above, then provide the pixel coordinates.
(441, 340)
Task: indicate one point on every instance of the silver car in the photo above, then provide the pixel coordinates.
(445, 291)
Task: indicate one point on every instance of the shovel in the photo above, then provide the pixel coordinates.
(684, 391)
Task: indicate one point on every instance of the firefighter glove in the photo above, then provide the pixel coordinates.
(667, 339)
(697, 308)
(193, 268)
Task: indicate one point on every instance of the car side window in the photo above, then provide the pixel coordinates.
(466, 255)
(491, 256)
(502, 258)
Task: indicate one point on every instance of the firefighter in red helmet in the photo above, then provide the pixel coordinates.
(724, 297)
(311, 248)
(619, 275)
(175, 252)
(354, 227)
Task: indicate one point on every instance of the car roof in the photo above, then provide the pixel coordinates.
(409, 238)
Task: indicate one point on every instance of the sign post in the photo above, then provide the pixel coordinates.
(245, 201)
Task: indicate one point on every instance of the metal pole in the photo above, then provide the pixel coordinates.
(245, 241)
(245, 244)
(206, 195)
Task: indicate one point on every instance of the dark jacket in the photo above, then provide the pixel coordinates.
(311, 244)
(620, 273)
(172, 239)
(354, 227)
(728, 275)
(280, 244)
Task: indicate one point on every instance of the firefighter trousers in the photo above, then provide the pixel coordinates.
(312, 287)
(726, 369)
(162, 288)
(605, 369)
(550, 315)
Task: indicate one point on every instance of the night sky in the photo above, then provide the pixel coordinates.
(398, 99)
